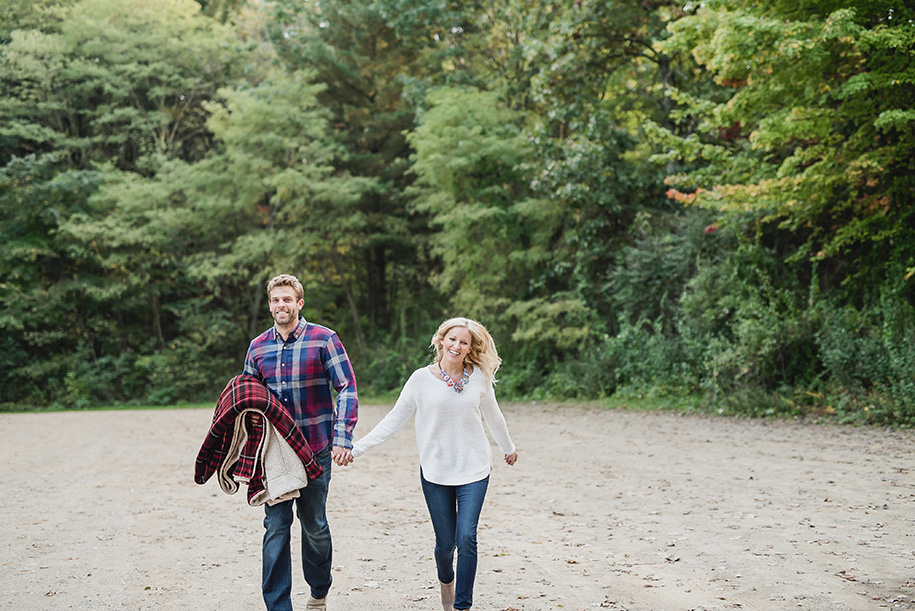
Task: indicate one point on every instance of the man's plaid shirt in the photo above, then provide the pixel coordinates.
(303, 372)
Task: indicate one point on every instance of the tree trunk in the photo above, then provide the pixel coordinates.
(157, 322)
(667, 103)
(354, 312)
(257, 301)
(376, 270)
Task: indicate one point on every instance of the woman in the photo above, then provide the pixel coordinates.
(451, 397)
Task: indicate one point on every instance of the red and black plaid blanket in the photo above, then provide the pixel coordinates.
(246, 393)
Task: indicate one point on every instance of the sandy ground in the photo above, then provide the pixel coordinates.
(604, 510)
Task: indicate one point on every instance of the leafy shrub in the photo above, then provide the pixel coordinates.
(749, 322)
(207, 351)
(389, 363)
(642, 355)
(869, 358)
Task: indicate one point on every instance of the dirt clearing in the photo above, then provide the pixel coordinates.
(604, 510)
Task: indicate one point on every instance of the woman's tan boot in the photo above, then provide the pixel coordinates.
(448, 596)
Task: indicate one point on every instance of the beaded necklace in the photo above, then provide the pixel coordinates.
(457, 385)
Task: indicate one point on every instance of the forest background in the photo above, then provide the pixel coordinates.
(709, 204)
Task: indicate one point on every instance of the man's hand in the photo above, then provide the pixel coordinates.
(342, 456)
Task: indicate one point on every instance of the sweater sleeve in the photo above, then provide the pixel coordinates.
(495, 420)
(394, 420)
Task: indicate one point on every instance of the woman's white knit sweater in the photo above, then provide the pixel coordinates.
(453, 447)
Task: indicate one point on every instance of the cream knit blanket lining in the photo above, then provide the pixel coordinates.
(283, 471)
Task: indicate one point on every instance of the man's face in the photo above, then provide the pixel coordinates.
(284, 307)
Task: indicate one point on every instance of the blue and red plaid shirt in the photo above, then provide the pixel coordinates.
(303, 372)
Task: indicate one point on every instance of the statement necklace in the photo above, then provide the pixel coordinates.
(458, 385)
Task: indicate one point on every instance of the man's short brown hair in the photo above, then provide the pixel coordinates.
(287, 280)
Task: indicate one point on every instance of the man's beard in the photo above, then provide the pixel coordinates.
(282, 317)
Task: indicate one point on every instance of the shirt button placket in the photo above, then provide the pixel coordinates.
(286, 369)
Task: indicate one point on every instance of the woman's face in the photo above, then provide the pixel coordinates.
(456, 345)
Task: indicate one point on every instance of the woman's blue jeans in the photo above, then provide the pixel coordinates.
(455, 512)
(316, 544)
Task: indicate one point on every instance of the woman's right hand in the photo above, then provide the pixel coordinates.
(342, 456)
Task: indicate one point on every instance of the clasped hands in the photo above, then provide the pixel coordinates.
(342, 456)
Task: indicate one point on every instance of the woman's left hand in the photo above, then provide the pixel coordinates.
(511, 458)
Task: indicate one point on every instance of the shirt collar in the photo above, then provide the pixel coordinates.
(296, 333)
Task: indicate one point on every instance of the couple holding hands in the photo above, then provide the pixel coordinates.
(302, 362)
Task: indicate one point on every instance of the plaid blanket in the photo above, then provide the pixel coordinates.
(232, 426)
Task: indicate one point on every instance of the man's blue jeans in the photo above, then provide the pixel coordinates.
(316, 544)
(455, 512)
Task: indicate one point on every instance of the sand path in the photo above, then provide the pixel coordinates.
(606, 509)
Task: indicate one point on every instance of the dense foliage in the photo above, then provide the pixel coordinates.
(710, 203)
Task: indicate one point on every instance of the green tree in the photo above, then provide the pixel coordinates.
(562, 70)
(832, 166)
(362, 65)
(469, 149)
(100, 89)
(804, 154)
(260, 204)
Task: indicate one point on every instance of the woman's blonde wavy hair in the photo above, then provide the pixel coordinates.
(483, 354)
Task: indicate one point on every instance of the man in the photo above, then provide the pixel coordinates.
(300, 362)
